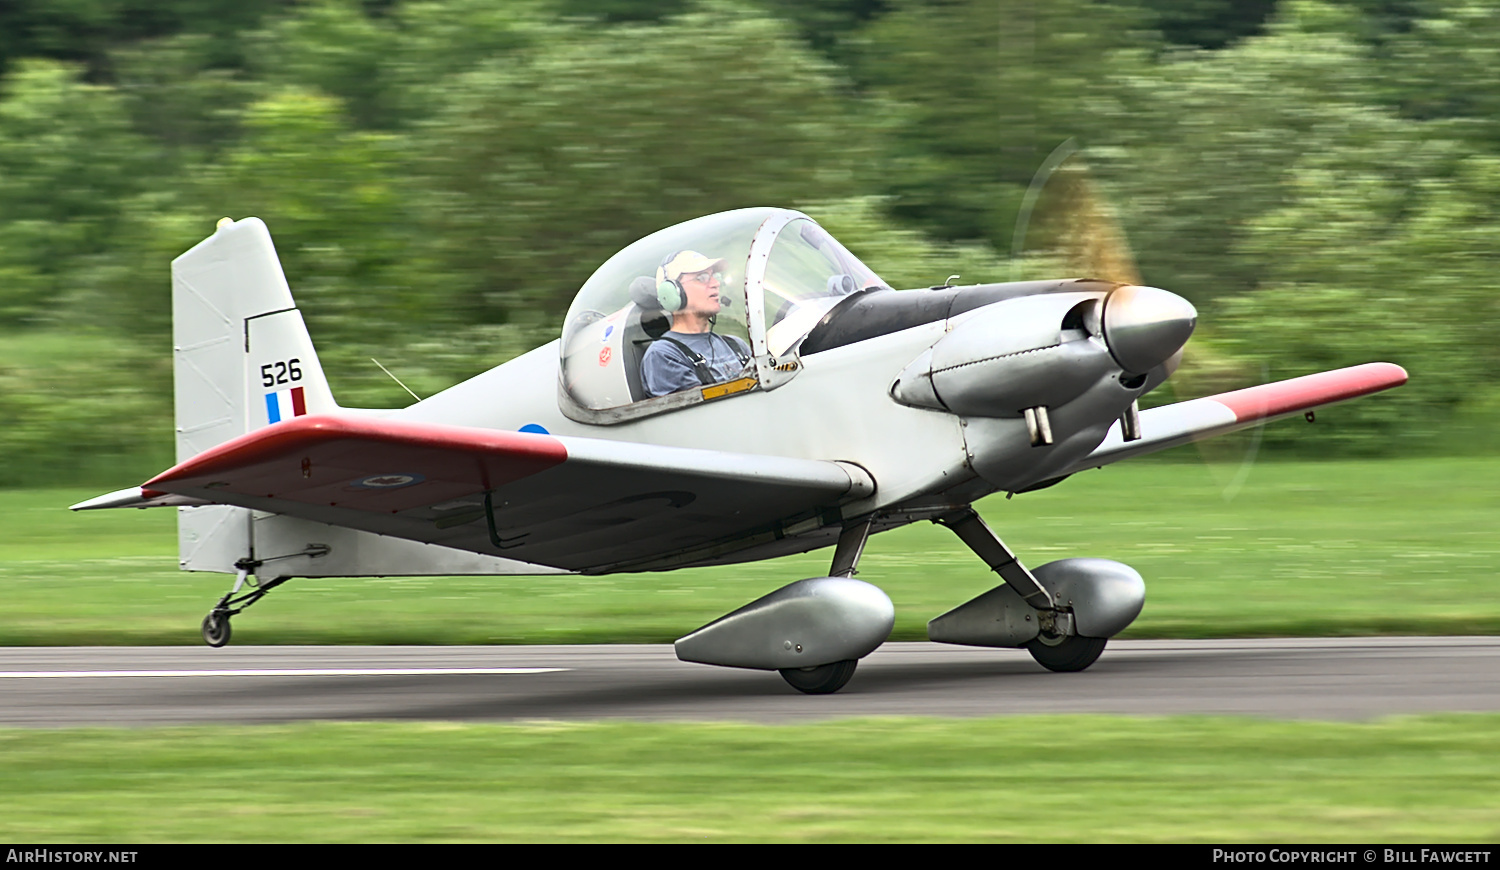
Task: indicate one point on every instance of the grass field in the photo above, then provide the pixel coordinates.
(1403, 546)
(1061, 779)
(1330, 548)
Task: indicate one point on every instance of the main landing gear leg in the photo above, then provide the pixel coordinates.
(829, 678)
(1057, 646)
(216, 630)
(850, 547)
(971, 529)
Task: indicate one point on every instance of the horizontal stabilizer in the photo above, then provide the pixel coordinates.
(1184, 422)
(573, 503)
(137, 497)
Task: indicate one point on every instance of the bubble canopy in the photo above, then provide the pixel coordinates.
(729, 297)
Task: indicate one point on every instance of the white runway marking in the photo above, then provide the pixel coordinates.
(280, 672)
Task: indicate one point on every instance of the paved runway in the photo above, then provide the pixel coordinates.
(1353, 678)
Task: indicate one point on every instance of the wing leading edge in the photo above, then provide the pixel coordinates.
(1183, 422)
(574, 503)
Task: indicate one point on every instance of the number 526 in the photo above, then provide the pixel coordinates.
(283, 372)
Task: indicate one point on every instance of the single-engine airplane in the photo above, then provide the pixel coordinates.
(733, 388)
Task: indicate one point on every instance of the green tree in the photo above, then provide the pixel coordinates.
(975, 94)
(540, 165)
(339, 206)
(1208, 23)
(382, 65)
(89, 31)
(69, 159)
(1370, 264)
(1201, 144)
(181, 97)
(907, 258)
(1436, 69)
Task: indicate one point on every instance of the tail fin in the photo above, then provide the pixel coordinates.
(243, 358)
(243, 361)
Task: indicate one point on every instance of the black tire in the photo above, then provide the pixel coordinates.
(1072, 654)
(821, 680)
(216, 629)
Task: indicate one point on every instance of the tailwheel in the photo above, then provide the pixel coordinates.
(216, 628)
(1066, 654)
(216, 623)
(821, 680)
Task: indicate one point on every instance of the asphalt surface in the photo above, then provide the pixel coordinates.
(1350, 679)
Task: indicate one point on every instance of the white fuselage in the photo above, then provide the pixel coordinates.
(837, 408)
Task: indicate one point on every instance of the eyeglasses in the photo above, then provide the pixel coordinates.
(704, 277)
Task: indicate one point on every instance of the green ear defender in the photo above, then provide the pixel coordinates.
(669, 292)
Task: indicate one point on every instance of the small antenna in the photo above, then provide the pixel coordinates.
(396, 379)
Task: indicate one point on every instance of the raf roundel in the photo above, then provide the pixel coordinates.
(387, 481)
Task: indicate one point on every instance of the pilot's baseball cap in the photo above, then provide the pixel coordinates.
(686, 263)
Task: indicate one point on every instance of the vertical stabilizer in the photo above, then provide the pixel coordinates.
(243, 356)
(243, 360)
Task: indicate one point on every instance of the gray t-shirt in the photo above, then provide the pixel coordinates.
(666, 369)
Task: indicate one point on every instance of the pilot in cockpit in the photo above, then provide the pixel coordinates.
(690, 354)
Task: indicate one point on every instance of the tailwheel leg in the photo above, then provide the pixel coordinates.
(216, 628)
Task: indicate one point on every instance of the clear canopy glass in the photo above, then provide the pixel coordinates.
(809, 272)
(758, 280)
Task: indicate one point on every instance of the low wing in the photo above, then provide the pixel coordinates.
(575, 503)
(1180, 423)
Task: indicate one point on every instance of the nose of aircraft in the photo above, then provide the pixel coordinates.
(1145, 326)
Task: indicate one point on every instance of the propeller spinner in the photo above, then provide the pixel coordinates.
(1146, 326)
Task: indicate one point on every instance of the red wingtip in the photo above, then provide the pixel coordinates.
(1310, 391)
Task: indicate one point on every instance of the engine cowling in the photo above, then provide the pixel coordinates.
(1002, 358)
(1045, 350)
